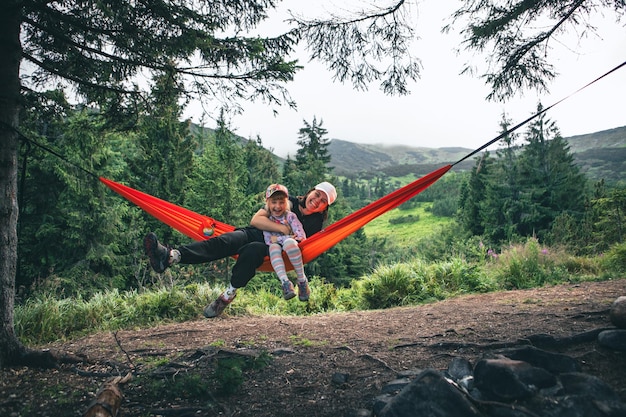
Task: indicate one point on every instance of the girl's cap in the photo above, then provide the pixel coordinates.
(275, 188)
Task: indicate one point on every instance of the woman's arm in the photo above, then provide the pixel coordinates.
(296, 227)
(261, 221)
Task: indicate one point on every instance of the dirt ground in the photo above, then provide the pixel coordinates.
(323, 365)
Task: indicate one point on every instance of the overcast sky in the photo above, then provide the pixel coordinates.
(445, 108)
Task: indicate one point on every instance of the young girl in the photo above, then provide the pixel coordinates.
(278, 207)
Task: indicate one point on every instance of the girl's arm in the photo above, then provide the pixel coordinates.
(261, 221)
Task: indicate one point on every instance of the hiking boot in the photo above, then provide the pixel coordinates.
(157, 253)
(288, 292)
(217, 307)
(303, 290)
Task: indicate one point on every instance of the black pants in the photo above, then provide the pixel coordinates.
(246, 243)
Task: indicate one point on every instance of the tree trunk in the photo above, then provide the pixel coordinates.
(11, 349)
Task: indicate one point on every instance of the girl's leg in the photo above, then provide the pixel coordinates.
(276, 258)
(291, 248)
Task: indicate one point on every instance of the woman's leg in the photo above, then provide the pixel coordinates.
(227, 244)
(251, 256)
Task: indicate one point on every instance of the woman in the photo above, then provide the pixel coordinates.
(247, 243)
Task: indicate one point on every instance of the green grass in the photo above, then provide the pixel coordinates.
(45, 318)
(406, 233)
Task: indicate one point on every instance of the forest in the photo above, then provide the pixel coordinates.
(96, 89)
(78, 238)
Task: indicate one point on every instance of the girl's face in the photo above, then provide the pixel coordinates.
(316, 201)
(277, 205)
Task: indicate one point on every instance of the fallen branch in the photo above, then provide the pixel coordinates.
(109, 399)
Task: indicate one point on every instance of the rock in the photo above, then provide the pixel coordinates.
(380, 402)
(618, 312)
(339, 378)
(579, 384)
(613, 339)
(507, 379)
(460, 371)
(552, 362)
(396, 385)
(517, 382)
(359, 413)
(410, 373)
(430, 394)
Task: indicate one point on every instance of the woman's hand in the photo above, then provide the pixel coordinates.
(261, 221)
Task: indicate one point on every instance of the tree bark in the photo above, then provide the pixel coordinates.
(11, 349)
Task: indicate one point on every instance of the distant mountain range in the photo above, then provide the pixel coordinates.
(599, 155)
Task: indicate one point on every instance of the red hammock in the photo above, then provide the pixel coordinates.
(200, 227)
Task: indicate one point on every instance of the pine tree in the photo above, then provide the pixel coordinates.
(500, 210)
(312, 157)
(219, 179)
(472, 196)
(70, 226)
(262, 168)
(165, 148)
(550, 181)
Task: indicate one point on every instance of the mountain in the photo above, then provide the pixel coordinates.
(599, 155)
(348, 158)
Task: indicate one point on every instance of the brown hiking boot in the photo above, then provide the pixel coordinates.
(217, 307)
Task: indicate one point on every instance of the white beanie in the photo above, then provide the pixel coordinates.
(329, 190)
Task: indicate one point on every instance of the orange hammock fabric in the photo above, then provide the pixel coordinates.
(200, 227)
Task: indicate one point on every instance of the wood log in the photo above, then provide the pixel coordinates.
(108, 399)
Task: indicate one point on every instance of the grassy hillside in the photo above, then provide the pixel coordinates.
(397, 224)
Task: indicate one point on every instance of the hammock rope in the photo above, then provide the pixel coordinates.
(522, 123)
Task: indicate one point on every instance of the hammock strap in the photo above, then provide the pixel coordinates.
(522, 123)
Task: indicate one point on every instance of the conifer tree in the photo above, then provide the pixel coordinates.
(550, 181)
(219, 179)
(290, 175)
(472, 196)
(500, 209)
(262, 168)
(312, 157)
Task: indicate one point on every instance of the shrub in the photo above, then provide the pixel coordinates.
(615, 259)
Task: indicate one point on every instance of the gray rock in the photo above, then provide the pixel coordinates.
(396, 385)
(553, 362)
(613, 339)
(497, 379)
(339, 378)
(430, 394)
(618, 312)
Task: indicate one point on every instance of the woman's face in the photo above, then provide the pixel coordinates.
(316, 201)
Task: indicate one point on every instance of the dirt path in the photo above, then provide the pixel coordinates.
(367, 349)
